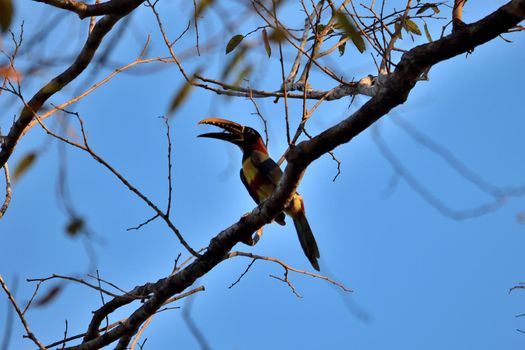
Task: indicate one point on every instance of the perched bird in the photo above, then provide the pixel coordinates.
(260, 174)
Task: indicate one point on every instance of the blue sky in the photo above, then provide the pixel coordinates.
(420, 280)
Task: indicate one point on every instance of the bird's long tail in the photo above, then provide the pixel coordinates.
(306, 237)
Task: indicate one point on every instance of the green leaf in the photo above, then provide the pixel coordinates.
(266, 42)
(75, 226)
(6, 14)
(202, 6)
(234, 42)
(338, 25)
(181, 95)
(235, 60)
(398, 27)
(49, 296)
(342, 48)
(412, 27)
(351, 31)
(24, 164)
(277, 35)
(427, 6)
(319, 28)
(427, 33)
(423, 8)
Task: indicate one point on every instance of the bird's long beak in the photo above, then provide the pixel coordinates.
(233, 132)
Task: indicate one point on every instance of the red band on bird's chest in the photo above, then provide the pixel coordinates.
(259, 146)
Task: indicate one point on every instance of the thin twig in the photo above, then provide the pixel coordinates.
(170, 187)
(32, 297)
(108, 283)
(286, 280)
(283, 79)
(242, 274)
(332, 154)
(186, 262)
(139, 226)
(288, 267)
(140, 60)
(77, 336)
(185, 294)
(73, 279)
(8, 192)
(9, 320)
(65, 335)
(196, 25)
(297, 62)
(263, 119)
(30, 334)
(102, 296)
(139, 333)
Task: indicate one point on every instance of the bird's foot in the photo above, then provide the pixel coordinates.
(252, 240)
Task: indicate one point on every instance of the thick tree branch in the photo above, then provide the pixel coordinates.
(83, 10)
(392, 92)
(457, 14)
(365, 86)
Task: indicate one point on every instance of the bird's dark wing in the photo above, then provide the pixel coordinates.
(267, 168)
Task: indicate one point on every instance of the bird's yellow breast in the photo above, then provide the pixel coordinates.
(249, 170)
(259, 183)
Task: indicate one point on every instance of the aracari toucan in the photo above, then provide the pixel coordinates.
(260, 174)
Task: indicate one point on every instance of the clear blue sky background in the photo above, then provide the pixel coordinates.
(420, 280)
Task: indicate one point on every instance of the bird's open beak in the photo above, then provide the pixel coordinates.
(233, 132)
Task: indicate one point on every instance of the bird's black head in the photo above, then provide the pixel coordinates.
(243, 136)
